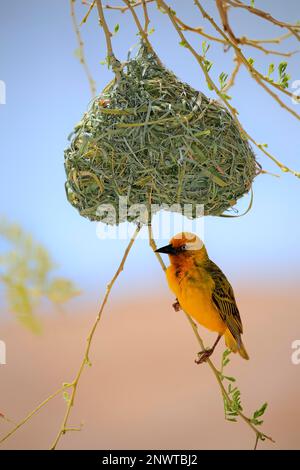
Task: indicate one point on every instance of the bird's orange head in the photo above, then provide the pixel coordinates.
(184, 244)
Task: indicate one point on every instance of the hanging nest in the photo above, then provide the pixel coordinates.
(151, 133)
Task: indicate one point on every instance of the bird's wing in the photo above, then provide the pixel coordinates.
(223, 298)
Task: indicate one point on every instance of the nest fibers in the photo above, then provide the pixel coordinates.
(151, 133)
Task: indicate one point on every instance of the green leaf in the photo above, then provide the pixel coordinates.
(116, 28)
(205, 47)
(271, 70)
(223, 77)
(208, 65)
(61, 290)
(260, 411)
(66, 397)
(282, 68)
(183, 43)
(231, 379)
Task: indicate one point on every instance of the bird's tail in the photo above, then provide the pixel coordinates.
(232, 344)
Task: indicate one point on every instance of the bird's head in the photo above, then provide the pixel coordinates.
(184, 244)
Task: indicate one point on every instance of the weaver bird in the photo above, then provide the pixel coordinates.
(203, 292)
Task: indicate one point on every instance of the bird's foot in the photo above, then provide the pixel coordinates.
(203, 356)
(176, 306)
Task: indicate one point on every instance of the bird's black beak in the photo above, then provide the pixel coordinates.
(168, 249)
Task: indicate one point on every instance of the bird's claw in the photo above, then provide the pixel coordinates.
(176, 306)
(203, 356)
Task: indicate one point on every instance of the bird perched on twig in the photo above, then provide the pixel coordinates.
(203, 292)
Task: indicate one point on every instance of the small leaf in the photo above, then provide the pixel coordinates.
(66, 396)
(225, 97)
(183, 43)
(205, 47)
(260, 411)
(271, 69)
(208, 65)
(231, 379)
(282, 68)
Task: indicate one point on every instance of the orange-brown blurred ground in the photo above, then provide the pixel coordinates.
(143, 389)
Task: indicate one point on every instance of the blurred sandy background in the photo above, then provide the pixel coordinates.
(143, 389)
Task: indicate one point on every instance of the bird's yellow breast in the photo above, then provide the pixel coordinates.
(193, 288)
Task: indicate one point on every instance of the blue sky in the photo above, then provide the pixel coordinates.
(47, 92)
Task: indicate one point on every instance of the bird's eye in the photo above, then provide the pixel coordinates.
(183, 248)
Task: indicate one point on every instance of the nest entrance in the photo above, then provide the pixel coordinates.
(150, 132)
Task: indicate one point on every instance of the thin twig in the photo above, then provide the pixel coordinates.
(35, 411)
(277, 40)
(125, 8)
(248, 42)
(80, 42)
(198, 30)
(232, 78)
(142, 32)
(293, 28)
(84, 19)
(258, 77)
(259, 435)
(111, 59)
(146, 17)
(64, 426)
(255, 43)
(223, 11)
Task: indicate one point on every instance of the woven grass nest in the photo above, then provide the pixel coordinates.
(151, 133)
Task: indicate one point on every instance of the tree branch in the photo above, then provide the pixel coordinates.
(111, 59)
(142, 32)
(64, 426)
(266, 16)
(35, 411)
(258, 77)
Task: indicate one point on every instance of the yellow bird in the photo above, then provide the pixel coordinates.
(203, 291)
